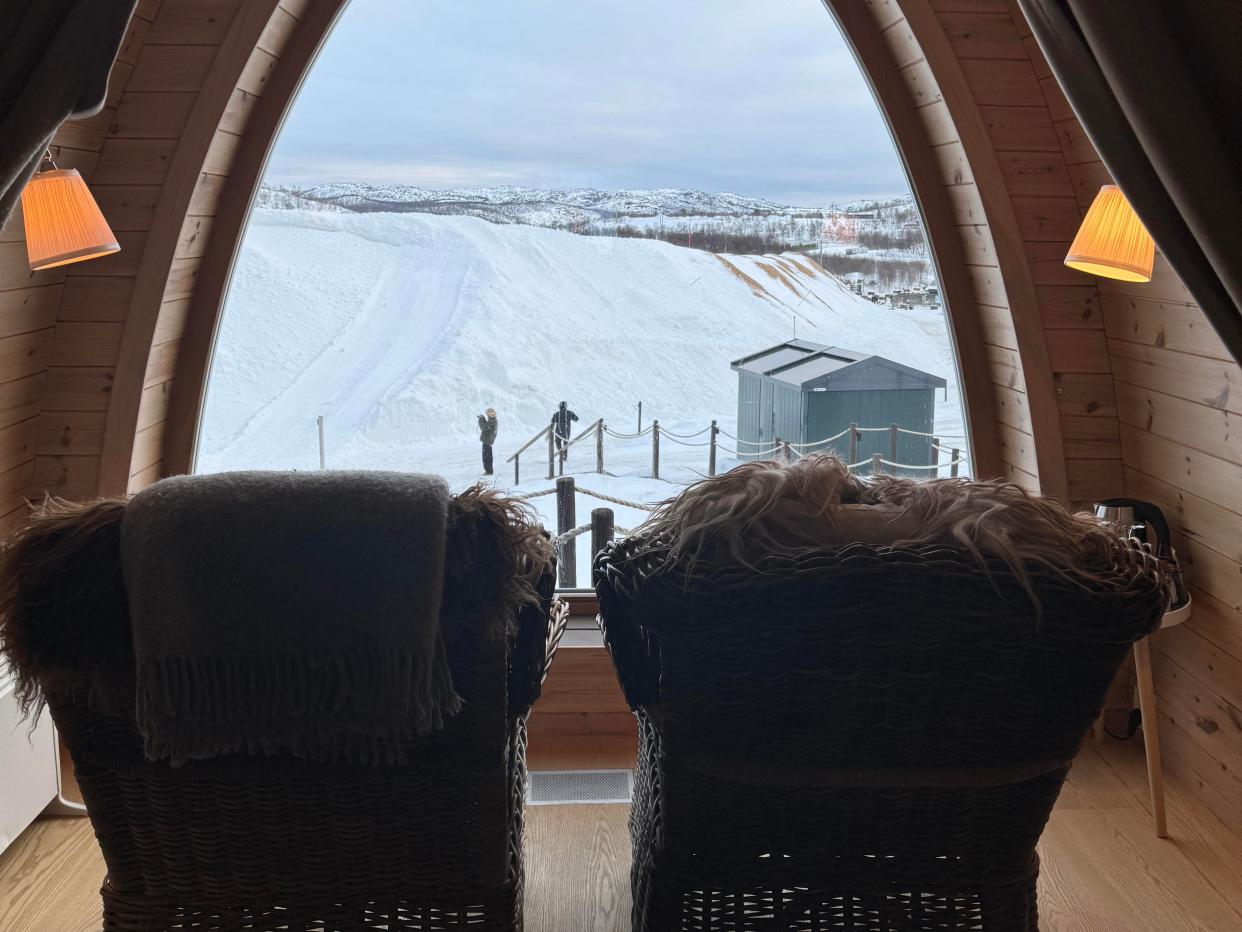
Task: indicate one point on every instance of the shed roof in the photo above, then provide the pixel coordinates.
(763, 362)
(816, 365)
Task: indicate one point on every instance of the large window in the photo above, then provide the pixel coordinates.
(689, 214)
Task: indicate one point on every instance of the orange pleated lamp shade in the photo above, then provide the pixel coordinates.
(63, 222)
(1112, 241)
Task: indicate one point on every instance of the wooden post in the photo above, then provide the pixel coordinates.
(601, 530)
(517, 469)
(640, 417)
(780, 446)
(551, 456)
(566, 520)
(853, 443)
(953, 461)
(599, 446)
(934, 459)
(892, 447)
(655, 449)
(711, 453)
(787, 453)
(323, 455)
(877, 467)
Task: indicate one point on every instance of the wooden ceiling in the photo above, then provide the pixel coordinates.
(1074, 388)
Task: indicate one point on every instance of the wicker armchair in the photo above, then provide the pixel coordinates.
(862, 739)
(277, 842)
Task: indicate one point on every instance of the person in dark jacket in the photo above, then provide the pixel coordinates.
(562, 418)
(488, 428)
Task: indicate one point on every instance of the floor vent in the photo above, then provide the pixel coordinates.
(561, 787)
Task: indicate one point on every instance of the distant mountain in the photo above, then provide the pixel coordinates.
(559, 207)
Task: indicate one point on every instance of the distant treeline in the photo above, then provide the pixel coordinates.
(758, 239)
(706, 238)
(890, 273)
(908, 239)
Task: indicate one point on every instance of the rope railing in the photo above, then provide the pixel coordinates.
(558, 447)
(562, 539)
(917, 433)
(612, 500)
(612, 433)
(820, 443)
(698, 433)
(927, 466)
(755, 453)
(685, 443)
(527, 496)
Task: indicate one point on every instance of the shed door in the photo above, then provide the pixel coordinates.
(767, 413)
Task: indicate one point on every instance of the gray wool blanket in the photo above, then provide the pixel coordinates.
(288, 612)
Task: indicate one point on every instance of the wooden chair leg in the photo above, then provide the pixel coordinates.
(1151, 734)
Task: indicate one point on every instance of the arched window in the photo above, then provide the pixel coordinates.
(688, 222)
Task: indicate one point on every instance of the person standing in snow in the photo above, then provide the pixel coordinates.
(488, 428)
(562, 417)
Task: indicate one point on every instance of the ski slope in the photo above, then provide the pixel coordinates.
(400, 328)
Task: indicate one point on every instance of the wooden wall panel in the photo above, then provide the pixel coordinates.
(1145, 366)
(1179, 400)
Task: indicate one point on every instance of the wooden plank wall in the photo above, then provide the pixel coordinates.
(1179, 399)
(61, 332)
(59, 329)
(1149, 359)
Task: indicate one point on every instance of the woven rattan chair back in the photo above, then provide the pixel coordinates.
(865, 739)
(276, 842)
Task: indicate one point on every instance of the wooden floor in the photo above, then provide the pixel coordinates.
(1103, 867)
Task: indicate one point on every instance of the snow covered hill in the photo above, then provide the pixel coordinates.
(401, 328)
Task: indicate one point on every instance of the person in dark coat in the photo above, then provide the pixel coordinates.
(488, 428)
(562, 418)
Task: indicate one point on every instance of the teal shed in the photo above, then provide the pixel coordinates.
(804, 392)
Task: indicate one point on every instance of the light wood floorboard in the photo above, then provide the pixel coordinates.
(1103, 868)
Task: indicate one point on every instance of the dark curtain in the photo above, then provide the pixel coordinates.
(55, 56)
(1157, 85)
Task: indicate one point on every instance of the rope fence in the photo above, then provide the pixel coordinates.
(609, 498)
(558, 447)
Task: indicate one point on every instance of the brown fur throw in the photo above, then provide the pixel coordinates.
(64, 618)
(764, 508)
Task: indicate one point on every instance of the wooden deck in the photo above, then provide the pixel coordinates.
(1103, 867)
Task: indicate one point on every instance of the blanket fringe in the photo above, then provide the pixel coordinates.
(352, 705)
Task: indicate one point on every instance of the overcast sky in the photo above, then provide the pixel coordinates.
(757, 97)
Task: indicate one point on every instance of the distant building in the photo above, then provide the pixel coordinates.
(804, 392)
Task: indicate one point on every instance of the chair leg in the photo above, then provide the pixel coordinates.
(1151, 735)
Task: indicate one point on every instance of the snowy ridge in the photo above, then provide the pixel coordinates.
(563, 207)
